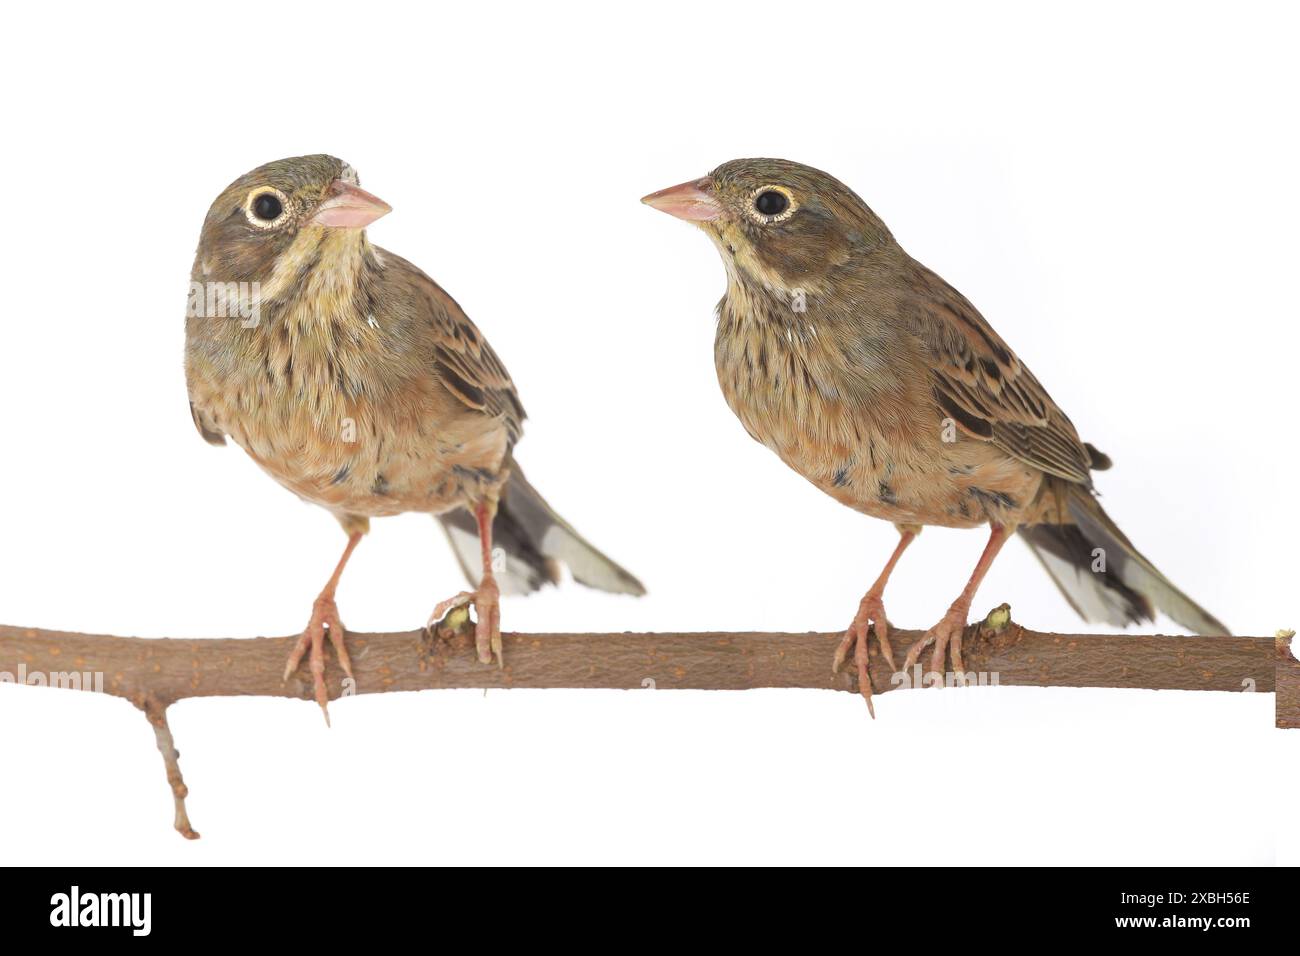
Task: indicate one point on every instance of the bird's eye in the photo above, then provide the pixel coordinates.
(267, 207)
(771, 203)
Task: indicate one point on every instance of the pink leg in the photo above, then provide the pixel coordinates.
(947, 633)
(486, 599)
(871, 616)
(324, 619)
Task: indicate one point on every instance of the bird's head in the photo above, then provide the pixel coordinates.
(778, 224)
(283, 211)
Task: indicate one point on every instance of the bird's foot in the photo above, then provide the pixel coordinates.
(487, 619)
(869, 619)
(324, 620)
(945, 638)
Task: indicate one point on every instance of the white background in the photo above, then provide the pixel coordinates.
(1113, 186)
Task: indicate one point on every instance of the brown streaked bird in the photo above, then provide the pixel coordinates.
(881, 384)
(357, 383)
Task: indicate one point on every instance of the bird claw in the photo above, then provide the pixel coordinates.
(869, 619)
(324, 620)
(945, 637)
(487, 625)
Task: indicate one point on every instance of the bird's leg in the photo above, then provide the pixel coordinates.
(947, 633)
(486, 598)
(324, 618)
(871, 611)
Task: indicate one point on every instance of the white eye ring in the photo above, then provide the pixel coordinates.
(257, 194)
(781, 216)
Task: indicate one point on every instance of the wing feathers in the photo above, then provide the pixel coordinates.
(981, 384)
(462, 358)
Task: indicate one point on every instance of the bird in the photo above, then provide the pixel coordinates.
(356, 382)
(882, 385)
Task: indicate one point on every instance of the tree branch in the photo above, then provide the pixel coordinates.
(155, 673)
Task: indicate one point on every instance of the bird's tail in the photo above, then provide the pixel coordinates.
(1099, 571)
(535, 541)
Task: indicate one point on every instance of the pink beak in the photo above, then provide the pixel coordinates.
(693, 201)
(349, 207)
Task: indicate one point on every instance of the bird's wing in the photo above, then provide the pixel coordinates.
(463, 360)
(988, 392)
(211, 434)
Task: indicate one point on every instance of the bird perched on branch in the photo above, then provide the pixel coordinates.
(357, 383)
(882, 385)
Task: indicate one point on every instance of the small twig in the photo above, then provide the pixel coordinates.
(171, 760)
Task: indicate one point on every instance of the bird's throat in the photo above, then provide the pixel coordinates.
(316, 280)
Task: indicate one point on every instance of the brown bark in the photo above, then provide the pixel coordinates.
(1287, 705)
(154, 673)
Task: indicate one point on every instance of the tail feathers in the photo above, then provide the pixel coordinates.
(1096, 596)
(1125, 587)
(536, 542)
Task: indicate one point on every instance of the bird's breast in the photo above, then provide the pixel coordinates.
(330, 410)
(872, 442)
